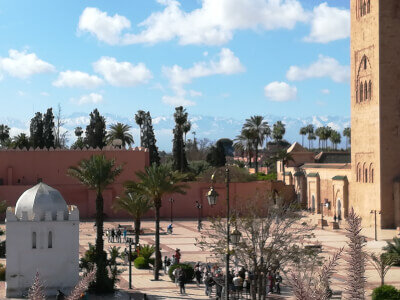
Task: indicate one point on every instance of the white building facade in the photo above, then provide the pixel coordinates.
(42, 236)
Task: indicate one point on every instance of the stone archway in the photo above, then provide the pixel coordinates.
(339, 209)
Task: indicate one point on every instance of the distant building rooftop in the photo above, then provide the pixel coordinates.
(333, 157)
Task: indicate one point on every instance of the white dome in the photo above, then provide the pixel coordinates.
(40, 199)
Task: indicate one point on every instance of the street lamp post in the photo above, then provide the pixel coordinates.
(171, 201)
(199, 207)
(212, 197)
(130, 264)
(374, 211)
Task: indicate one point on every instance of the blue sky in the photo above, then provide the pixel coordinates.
(219, 58)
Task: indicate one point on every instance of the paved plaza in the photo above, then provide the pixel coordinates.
(183, 237)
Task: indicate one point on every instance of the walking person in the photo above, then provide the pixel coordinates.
(278, 280)
(112, 235)
(125, 234)
(178, 255)
(197, 274)
(181, 281)
(119, 234)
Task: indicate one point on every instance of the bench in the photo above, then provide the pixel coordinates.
(313, 247)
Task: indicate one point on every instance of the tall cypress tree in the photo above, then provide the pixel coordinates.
(48, 128)
(139, 119)
(36, 130)
(96, 130)
(149, 140)
(178, 150)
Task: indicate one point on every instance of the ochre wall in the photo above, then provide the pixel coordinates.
(51, 167)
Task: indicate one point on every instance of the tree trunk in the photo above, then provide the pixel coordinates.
(256, 159)
(302, 140)
(157, 241)
(101, 274)
(137, 230)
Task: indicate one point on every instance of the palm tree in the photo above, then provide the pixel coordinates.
(393, 247)
(4, 134)
(347, 134)
(261, 132)
(319, 134)
(120, 131)
(186, 128)
(139, 119)
(311, 138)
(21, 141)
(303, 132)
(284, 157)
(310, 132)
(382, 263)
(97, 173)
(335, 139)
(247, 137)
(136, 205)
(155, 183)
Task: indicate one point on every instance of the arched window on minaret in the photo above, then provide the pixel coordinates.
(370, 90)
(34, 240)
(365, 62)
(361, 92)
(371, 173)
(366, 96)
(358, 173)
(365, 170)
(368, 6)
(50, 240)
(357, 95)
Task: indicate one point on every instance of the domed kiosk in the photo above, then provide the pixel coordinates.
(42, 235)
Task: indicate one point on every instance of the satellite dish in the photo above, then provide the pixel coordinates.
(117, 143)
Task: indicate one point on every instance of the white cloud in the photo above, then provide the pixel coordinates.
(122, 73)
(325, 91)
(194, 93)
(329, 24)
(177, 101)
(280, 91)
(227, 64)
(213, 23)
(324, 67)
(107, 29)
(23, 65)
(77, 79)
(92, 98)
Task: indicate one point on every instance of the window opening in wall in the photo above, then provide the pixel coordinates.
(370, 90)
(366, 91)
(364, 8)
(365, 63)
(366, 176)
(368, 6)
(33, 240)
(50, 240)
(361, 92)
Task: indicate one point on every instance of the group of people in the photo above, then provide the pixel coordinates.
(239, 281)
(116, 235)
(173, 260)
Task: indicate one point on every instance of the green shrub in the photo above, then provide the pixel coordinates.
(141, 263)
(386, 292)
(146, 251)
(262, 176)
(2, 273)
(187, 270)
(2, 232)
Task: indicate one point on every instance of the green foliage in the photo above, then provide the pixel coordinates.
(393, 248)
(146, 251)
(236, 175)
(21, 141)
(88, 261)
(278, 131)
(48, 129)
(197, 167)
(262, 176)
(36, 131)
(4, 134)
(187, 270)
(216, 156)
(178, 149)
(2, 272)
(141, 263)
(386, 292)
(239, 163)
(120, 131)
(147, 137)
(96, 130)
(79, 144)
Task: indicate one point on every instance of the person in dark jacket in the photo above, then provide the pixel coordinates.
(181, 281)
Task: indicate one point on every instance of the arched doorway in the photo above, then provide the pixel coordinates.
(339, 209)
(312, 203)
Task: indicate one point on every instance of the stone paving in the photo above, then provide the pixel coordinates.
(183, 237)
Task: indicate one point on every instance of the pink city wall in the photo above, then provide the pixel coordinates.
(20, 170)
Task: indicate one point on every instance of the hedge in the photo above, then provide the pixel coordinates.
(187, 270)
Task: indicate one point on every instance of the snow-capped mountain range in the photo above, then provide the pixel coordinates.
(209, 127)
